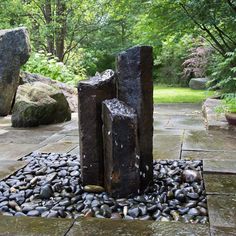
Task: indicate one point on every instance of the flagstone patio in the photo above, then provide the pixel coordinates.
(179, 133)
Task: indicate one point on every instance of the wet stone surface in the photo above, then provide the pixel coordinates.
(82, 227)
(225, 184)
(222, 211)
(50, 186)
(22, 226)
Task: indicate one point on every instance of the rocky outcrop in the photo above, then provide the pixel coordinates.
(14, 52)
(69, 91)
(198, 83)
(39, 104)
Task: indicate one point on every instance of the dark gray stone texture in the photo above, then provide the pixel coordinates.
(135, 88)
(14, 52)
(91, 94)
(221, 210)
(121, 151)
(198, 83)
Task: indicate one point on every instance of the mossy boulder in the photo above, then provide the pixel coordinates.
(69, 91)
(198, 83)
(39, 104)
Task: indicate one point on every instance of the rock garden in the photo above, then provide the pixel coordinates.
(51, 186)
(102, 158)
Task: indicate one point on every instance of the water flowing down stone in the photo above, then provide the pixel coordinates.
(91, 93)
(121, 151)
(14, 52)
(135, 88)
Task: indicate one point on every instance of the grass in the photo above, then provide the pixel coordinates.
(163, 94)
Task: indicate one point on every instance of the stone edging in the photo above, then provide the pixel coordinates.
(213, 120)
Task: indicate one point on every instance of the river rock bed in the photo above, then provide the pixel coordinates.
(50, 186)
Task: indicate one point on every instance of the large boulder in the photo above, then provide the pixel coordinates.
(198, 83)
(14, 52)
(39, 104)
(69, 91)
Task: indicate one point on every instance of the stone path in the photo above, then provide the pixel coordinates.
(179, 133)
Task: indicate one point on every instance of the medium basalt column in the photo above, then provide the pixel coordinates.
(121, 152)
(91, 93)
(135, 88)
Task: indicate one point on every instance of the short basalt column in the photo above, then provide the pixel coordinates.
(135, 88)
(121, 152)
(91, 93)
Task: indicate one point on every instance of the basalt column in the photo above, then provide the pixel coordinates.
(135, 88)
(121, 152)
(91, 93)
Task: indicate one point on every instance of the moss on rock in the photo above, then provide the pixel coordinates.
(39, 104)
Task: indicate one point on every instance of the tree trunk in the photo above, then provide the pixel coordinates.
(60, 29)
(123, 33)
(48, 19)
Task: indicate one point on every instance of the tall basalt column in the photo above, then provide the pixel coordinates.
(91, 93)
(121, 152)
(135, 88)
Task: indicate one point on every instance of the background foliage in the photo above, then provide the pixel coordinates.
(190, 38)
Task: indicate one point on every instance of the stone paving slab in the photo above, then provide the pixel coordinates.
(24, 136)
(214, 140)
(220, 183)
(5, 121)
(71, 138)
(59, 147)
(166, 147)
(171, 132)
(91, 227)
(7, 167)
(223, 231)
(178, 109)
(13, 151)
(222, 210)
(72, 132)
(29, 226)
(186, 123)
(205, 155)
(75, 151)
(2, 131)
(53, 128)
(159, 125)
(52, 139)
(218, 166)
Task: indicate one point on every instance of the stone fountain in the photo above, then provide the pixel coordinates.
(116, 125)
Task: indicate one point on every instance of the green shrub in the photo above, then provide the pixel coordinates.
(168, 61)
(96, 61)
(223, 75)
(49, 66)
(228, 104)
